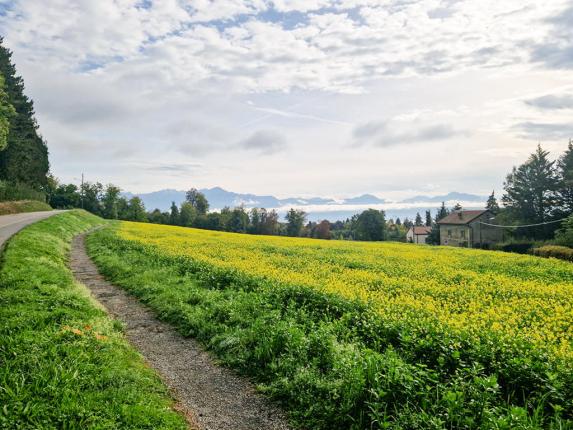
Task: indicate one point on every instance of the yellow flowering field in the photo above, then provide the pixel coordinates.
(467, 291)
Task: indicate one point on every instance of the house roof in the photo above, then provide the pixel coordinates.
(421, 229)
(462, 217)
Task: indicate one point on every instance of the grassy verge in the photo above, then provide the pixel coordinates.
(63, 363)
(7, 208)
(335, 363)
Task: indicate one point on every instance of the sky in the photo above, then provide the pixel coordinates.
(296, 97)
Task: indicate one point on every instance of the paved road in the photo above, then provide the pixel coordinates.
(11, 224)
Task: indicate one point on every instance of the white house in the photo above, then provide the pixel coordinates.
(418, 234)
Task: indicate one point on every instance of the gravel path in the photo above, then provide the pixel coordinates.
(212, 397)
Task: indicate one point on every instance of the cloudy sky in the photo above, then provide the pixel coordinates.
(296, 97)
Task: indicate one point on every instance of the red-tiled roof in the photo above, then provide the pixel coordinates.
(422, 229)
(461, 217)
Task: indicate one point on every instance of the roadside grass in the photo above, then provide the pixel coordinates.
(332, 362)
(20, 206)
(64, 364)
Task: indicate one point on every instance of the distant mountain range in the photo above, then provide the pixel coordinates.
(322, 207)
(450, 197)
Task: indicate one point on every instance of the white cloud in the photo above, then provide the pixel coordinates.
(171, 79)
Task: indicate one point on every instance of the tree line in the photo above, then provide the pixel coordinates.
(536, 192)
(539, 191)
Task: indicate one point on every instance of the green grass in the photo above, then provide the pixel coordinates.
(7, 208)
(64, 364)
(334, 363)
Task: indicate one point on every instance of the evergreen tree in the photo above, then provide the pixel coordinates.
(428, 219)
(407, 223)
(565, 170)
(7, 112)
(491, 204)
(174, 215)
(531, 189)
(442, 212)
(25, 158)
(564, 236)
(418, 222)
(398, 222)
(531, 193)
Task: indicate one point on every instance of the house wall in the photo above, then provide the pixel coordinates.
(415, 238)
(420, 238)
(455, 235)
(483, 235)
(476, 234)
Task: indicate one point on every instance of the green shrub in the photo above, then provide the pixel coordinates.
(18, 191)
(555, 251)
(564, 236)
(518, 247)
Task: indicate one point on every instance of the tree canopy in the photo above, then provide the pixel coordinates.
(24, 157)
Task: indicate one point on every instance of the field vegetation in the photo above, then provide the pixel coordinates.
(7, 208)
(365, 335)
(64, 364)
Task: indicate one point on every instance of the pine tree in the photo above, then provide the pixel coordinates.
(418, 221)
(531, 194)
(7, 113)
(491, 204)
(428, 218)
(174, 215)
(442, 212)
(25, 158)
(565, 169)
(531, 189)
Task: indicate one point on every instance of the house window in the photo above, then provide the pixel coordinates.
(463, 233)
(449, 233)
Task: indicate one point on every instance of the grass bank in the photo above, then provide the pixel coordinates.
(19, 206)
(336, 362)
(64, 364)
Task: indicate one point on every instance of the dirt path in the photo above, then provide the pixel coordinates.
(212, 396)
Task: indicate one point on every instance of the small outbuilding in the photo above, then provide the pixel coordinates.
(469, 229)
(418, 234)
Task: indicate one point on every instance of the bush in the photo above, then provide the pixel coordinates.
(564, 236)
(17, 191)
(555, 251)
(523, 247)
